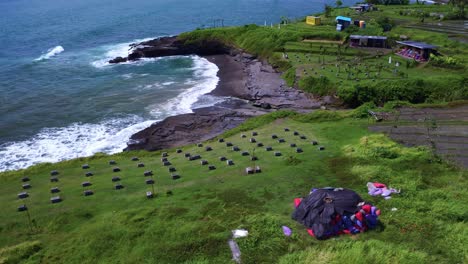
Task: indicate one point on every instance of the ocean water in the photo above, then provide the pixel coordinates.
(59, 99)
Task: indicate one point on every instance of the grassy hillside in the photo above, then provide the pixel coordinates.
(193, 224)
(321, 62)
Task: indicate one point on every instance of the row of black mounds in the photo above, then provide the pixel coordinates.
(250, 170)
(55, 199)
(26, 186)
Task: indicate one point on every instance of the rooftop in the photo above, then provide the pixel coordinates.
(367, 37)
(419, 45)
(343, 18)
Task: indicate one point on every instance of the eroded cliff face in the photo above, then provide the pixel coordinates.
(172, 46)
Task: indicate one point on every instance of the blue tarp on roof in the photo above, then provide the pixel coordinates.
(419, 45)
(343, 18)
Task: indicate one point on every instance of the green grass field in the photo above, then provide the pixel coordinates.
(193, 224)
(190, 219)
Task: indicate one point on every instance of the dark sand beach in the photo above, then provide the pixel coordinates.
(252, 87)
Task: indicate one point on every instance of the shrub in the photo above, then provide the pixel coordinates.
(352, 29)
(363, 110)
(445, 62)
(290, 76)
(319, 86)
(414, 91)
(17, 253)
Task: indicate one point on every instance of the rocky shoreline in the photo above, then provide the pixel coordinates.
(252, 87)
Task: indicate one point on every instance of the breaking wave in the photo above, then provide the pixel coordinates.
(51, 53)
(73, 141)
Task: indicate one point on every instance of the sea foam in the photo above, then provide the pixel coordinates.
(109, 136)
(51, 53)
(118, 50)
(73, 141)
(205, 80)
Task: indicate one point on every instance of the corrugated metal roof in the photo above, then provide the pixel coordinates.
(367, 37)
(343, 18)
(419, 45)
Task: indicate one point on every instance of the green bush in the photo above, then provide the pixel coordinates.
(290, 76)
(414, 91)
(318, 86)
(17, 253)
(277, 62)
(363, 110)
(445, 62)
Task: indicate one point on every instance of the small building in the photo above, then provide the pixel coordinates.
(366, 7)
(362, 7)
(419, 51)
(343, 21)
(358, 9)
(312, 20)
(368, 41)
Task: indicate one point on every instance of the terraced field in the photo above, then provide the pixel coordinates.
(445, 131)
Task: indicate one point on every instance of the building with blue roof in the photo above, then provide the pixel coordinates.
(343, 21)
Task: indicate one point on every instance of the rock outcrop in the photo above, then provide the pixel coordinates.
(171, 46)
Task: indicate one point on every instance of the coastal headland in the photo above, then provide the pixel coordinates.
(251, 86)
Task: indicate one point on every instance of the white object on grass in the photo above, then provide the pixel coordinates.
(239, 233)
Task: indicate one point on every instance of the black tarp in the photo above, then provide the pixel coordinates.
(317, 210)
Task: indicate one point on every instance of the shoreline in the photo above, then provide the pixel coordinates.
(252, 87)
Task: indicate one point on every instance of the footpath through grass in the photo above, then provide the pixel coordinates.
(193, 224)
